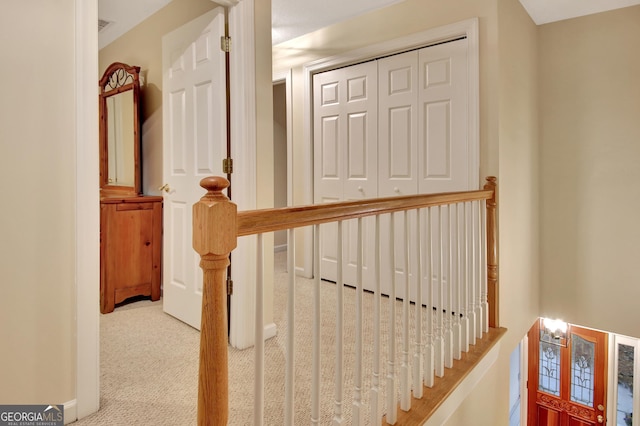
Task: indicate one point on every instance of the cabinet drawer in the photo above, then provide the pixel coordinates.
(134, 206)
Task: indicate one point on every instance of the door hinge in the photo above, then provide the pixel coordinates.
(225, 44)
(227, 165)
(229, 286)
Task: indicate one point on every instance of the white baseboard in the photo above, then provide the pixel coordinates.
(270, 331)
(70, 411)
(302, 272)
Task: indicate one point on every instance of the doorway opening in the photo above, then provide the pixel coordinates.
(581, 376)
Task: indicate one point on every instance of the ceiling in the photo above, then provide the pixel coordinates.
(293, 18)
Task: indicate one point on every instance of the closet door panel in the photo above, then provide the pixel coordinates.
(398, 124)
(398, 155)
(345, 157)
(443, 146)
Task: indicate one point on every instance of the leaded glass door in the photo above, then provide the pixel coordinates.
(567, 382)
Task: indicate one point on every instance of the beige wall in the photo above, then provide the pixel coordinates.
(590, 133)
(37, 226)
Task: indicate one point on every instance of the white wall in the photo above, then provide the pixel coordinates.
(590, 133)
(37, 226)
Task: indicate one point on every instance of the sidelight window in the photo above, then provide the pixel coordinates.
(625, 373)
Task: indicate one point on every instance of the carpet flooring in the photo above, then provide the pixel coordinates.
(149, 362)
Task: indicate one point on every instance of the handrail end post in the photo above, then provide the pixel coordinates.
(214, 237)
(492, 251)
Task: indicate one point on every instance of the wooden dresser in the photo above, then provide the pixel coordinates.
(130, 249)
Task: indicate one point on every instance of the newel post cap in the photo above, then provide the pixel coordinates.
(214, 219)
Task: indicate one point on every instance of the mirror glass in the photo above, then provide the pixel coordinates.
(120, 139)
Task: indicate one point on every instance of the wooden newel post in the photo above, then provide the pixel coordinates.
(214, 237)
(492, 252)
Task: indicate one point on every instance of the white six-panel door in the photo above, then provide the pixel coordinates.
(194, 143)
(420, 118)
(345, 154)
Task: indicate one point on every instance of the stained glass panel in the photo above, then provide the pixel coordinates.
(549, 368)
(626, 357)
(582, 370)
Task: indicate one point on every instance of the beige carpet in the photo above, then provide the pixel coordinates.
(149, 362)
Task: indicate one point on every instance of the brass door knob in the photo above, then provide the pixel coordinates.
(600, 418)
(165, 188)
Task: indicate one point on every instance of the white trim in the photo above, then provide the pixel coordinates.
(524, 376)
(460, 393)
(612, 395)
(243, 141)
(70, 411)
(467, 28)
(270, 330)
(87, 214)
(612, 368)
(226, 3)
(287, 78)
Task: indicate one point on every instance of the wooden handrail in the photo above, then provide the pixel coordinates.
(216, 227)
(268, 220)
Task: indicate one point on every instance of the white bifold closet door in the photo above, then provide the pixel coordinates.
(345, 156)
(416, 139)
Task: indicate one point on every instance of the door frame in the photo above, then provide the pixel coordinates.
(286, 77)
(468, 28)
(87, 263)
(87, 244)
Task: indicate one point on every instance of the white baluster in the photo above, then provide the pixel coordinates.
(405, 369)
(485, 277)
(466, 280)
(392, 409)
(418, 360)
(258, 381)
(457, 327)
(358, 411)
(429, 355)
(376, 409)
(289, 386)
(473, 278)
(315, 359)
(448, 323)
(439, 343)
(478, 291)
(338, 418)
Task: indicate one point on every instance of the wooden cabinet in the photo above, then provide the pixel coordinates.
(130, 249)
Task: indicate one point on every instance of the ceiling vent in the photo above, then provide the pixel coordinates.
(102, 24)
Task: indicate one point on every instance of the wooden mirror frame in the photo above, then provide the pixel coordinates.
(119, 78)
